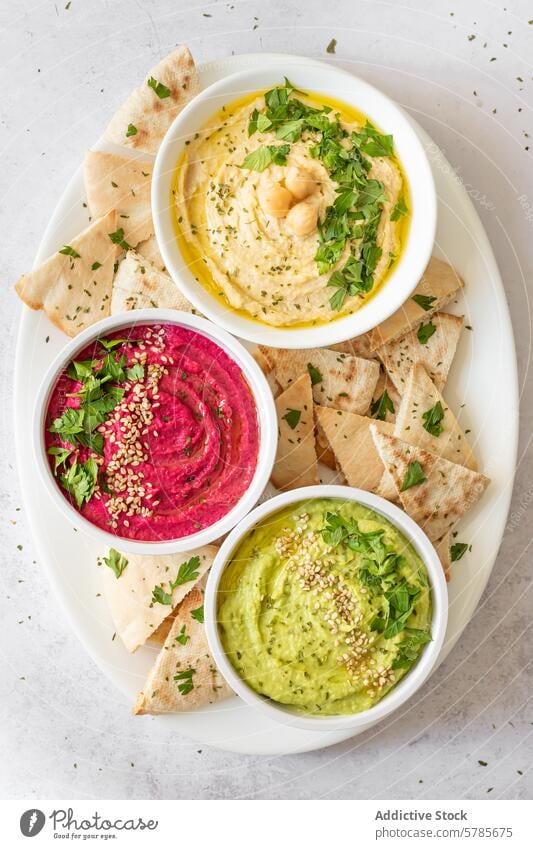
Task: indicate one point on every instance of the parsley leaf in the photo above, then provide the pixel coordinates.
(131, 131)
(381, 406)
(185, 678)
(160, 596)
(135, 372)
(182, 638)
(161, 90)
(261, 158)
(116, 562)
(188, 571)
(331, 46)
(60, 455)
(424, 301)
(315, 374)
(292, 417)
(80, 480)
(432, 419)
(399, 210)
(198, 614)
(96, 265)
(413, 476)
(118, 239)
(425, 332)
(68, 251)
(457, 550)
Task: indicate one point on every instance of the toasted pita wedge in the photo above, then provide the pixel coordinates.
(340, 381)
(442, 547)
(149, 249)
(324, 451)
(420, 397)
(135, 614)
(435, 355)
(145, 116)
(73, 286)
(444, 495)
(138, 284)
(350, 439)
(381, 403)
(115, 182)
(296, 463)
(439, 284)
(359, 346)
(185, 649)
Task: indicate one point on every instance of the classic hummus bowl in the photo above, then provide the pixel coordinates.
(155, 431)
(326, 607)
(294, 213)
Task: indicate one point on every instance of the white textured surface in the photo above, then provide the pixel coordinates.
(65, 730)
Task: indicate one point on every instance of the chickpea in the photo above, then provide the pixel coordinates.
(302, 218)
(275, 200)
(299, 182)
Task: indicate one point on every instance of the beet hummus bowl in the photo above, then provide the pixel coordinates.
(155, 431)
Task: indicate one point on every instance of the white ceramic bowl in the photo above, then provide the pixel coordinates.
(407, 685)
(387, 117)
(266, 416)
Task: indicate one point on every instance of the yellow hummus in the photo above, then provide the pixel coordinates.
(252, 259)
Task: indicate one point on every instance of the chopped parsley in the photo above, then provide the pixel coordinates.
(381, 406)
(131, 131)
(182, 638)
(413, 476)
(432, 419)
(331, 46)
(80, 480)
(458, 550)
(425, 332)
(399, 210)
(315, 374)
(184, 679)
(116, 562)
(68, 251)
(161, 90)
(264, 156)
(95, 266)
(424, 301)
(188, 571)
(198, 614)
(292, 417)
(118, 239)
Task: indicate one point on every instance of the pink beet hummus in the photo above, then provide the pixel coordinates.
(152, 432)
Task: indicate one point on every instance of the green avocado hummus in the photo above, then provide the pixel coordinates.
(324, 606)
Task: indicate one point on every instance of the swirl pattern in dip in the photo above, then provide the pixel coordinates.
(152, 432)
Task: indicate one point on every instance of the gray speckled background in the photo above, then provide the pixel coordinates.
(463, 69)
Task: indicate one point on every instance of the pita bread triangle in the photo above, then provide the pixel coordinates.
(420, 397)
(115, 182)
(149, 249)
(296, 462)
(338, 380)
(351, 441)
(145, 116)
(138, 284)
(438, 285)
(184, 676)
(130, 597)
(73, 286)
(445, 493)
(435, 354)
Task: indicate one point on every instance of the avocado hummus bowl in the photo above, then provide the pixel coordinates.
(326, 604)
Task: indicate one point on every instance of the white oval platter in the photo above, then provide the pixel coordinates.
(483, 379)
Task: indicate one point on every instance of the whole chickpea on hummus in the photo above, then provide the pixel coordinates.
(290, 207)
